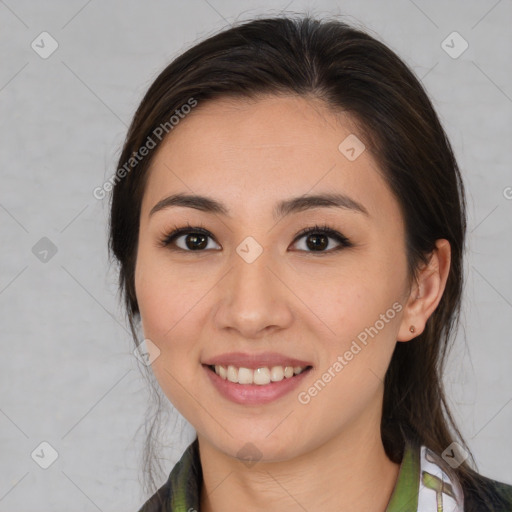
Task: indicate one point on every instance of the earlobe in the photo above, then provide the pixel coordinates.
(426, 292)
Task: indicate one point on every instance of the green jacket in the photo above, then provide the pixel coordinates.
(438, 490)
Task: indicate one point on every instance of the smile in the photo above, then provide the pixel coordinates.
(257, 386)
(259, 376)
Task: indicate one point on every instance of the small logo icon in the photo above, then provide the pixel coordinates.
(249, 454)
(146, 352)
(44, 250)
(44, 455)
(44, 45)
(249, 250)
(455, 455)
(351, 147)
(454, 45)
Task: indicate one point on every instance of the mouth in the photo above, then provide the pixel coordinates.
(246, 386)
(259, 376)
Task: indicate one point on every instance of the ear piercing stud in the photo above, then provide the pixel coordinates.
(412, 329)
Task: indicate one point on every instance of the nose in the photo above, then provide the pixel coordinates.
(254, 299)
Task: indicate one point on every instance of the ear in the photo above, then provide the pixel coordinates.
(426, 292)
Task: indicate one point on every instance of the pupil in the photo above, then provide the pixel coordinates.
(317, 244)
(193, 239)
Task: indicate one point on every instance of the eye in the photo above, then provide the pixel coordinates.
(195, 239)
(317, 239)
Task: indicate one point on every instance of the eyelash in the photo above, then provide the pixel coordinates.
(317, 229)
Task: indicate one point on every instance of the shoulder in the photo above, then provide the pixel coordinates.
(158, 502)
(182, 489)
(489, 496)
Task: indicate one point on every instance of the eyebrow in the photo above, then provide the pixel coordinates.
(282, 209)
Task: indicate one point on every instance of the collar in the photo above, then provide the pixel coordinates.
(425, 483)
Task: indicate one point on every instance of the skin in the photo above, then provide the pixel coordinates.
(326, 454)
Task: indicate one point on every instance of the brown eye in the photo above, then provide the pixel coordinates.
(318, 239)
(188, 239)
(195, 239)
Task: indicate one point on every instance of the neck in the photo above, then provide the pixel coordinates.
(349, 472)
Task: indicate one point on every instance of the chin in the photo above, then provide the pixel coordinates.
(259, 447)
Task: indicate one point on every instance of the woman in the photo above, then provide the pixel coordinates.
(289, 220)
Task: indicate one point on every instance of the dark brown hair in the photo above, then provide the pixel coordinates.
(352, 72)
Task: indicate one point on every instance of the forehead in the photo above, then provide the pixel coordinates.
(253, 153)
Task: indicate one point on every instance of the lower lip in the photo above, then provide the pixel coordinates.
(253, 394)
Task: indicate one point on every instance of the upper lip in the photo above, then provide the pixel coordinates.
(253, 361)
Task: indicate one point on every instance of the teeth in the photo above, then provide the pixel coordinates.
(222, 371)
(232, 373)
(245, 376)
(288, 372)
(260, 376)
(276, 373)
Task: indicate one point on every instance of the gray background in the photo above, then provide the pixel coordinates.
(67, 372)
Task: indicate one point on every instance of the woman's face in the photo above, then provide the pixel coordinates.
(251, 286)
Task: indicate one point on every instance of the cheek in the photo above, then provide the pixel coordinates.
(351, 302)
(164, 313)
(365, 318)
(355, 361)
(169, 302)
(165, 316)
(152, 300)
(159, 293)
